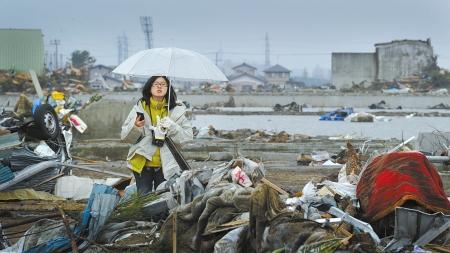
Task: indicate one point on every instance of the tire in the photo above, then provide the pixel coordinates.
(46, 119)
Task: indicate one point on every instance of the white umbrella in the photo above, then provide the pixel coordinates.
(171, 62)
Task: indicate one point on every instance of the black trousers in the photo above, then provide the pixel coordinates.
(149, 177)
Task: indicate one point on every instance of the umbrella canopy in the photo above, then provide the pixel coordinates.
(172, 62)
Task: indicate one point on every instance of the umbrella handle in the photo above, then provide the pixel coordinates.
(168, 100)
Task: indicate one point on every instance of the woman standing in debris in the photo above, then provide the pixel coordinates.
(156, 115)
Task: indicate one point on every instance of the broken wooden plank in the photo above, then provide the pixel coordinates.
(226, 227)
(41, 206)
(174, 232)
(69, 231)
(274, 186)
(11, 224)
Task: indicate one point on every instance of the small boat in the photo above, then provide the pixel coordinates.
(338, 115)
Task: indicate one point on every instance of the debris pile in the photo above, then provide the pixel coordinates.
(233, 207)
(291, 107)
(247, 135)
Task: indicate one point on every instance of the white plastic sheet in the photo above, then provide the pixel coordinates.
(343, 189)
(76, 188)
(43, 150)
(309, 192)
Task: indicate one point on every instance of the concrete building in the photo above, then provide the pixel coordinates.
(403, 58)
(353, 68)
(277, 75)
(392, 60)
(22, 50)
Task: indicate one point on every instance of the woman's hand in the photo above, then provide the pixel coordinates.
(138, 122)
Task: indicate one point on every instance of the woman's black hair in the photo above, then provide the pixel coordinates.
(148, 86)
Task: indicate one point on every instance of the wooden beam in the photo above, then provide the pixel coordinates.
(69, 231)
(11, 224)
(40, 206)
(274, 186)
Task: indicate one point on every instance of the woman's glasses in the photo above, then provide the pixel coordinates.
(160, 84)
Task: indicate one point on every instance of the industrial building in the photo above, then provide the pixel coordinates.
(390, 61)
(22, 50)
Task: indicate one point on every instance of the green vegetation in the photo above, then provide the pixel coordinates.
(131, 209)
(82, 59)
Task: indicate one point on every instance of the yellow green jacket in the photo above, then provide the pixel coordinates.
(141, 138)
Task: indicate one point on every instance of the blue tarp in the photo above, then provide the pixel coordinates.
(93, 218)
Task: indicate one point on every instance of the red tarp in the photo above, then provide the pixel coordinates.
(392, 179)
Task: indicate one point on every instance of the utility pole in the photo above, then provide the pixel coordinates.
(267, 60)
(56, 44)
(50, 64)
(119, 50)
(125, 46)
(122, 47)
(147, 28)
(46, 61)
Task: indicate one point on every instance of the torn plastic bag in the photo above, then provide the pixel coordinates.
(253, 169)
(348, 179)
(319, 156)
(309, 192)
(239, 177)
(342, 189)
(204, 175)
(218, 174)
(43, 150)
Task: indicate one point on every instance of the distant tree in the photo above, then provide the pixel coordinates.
(81, 59)
(229, 88)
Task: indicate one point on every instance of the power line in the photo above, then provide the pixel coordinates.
(125, 46)
(147, 28)
(56, 43)
(122, 46)
(267, 52)
(119, 49)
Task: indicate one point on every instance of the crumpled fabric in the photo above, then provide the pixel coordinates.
(394, 178)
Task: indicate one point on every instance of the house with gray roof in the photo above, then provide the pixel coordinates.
(277, 75)
(245, 68)
(245, 82)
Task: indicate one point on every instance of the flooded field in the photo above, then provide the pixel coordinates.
(398, 127)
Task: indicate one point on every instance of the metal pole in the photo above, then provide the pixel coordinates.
(96, 170)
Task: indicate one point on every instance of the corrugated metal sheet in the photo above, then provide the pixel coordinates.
(22, 49)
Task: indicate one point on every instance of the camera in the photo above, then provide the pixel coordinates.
(158, 138)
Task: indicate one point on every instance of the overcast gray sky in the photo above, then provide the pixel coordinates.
(302, 33)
